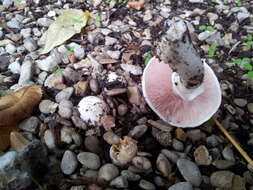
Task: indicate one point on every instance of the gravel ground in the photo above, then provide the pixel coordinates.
(106, 67)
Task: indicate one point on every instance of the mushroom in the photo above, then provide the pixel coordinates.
(92, 109)
(181, 89)
(123, 152)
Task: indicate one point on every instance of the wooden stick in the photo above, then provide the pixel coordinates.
(232, 140)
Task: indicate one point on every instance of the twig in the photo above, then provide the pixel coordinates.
(232, 140)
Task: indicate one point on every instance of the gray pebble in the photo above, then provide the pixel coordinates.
(111, 138)
(30, 44)
(163, 164)
(30, 125)
(15, 67)
(222, 179)
(119, 182)
(228, 154)
(240, 102)
(91, 173)
(138, 131)
(141, 163)
(69, 162)
(44, 22)
(177, 145)
(108, 172)
(26, 72)
(78, 187)
(189, 171)
(92, 144)
(146, 185)
(89, 160)
(10, 48)
(65, 109)
(122, 109)
(212, 141)
(94, 86)
(65, 94)
(173, 156)
(13, 23)
(26, 32)
(181, 186)
(130, 176)
(223, 164)
(47, 106)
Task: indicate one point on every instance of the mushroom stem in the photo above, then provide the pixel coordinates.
(176, 49)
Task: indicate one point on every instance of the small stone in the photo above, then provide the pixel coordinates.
(195, 135)
(44, 22)
(113, 54)
(91, 173)
(51, 14)
(240, 102)
(92, 144)
(108, 122)
(97, 2)
(146, 185)
(141, 163)
(71, 75)
(49, 139)
(108, 172)
(81, 88)
(26, 32)
(78, 187)
(13, 23)
(66, 134)
(134, 95)
(69, 162)
(133, 69)
(78, 122)
(138, 131)
(116, 91)
(65, 94)
(181, 135)
(189, 171)
(250, 107)
(55, 81)
(47, 106)
(173, 156)
(30, 125)
(30, 44)
(212, 141)
(163, 137)
(238, 183)
(122, 109)
(94, 86)
(7, 3)
(15, 67)
(223, 164)
(181, 186)
(163, 164)
(202, 156)
(130, 176)
(110, 41)
(50, 63)
(26, 72)
(89, 160)
(10, 49)
(111, 138)
(65, 109)
(18, 141)
(177, 145)
(222, 179)
(119, 182)
(228, 154)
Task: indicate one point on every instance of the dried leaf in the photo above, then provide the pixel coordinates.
(64, 27)
(136, 4)
(18, 141)
(15, 107)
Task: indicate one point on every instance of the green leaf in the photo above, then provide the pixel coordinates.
(249, 37)
(210, 28)
(125, 2)
(246, 60)
(249, 44)
(238, 61)
(58, 70)
(212, 50)
(97, 20)
(250, 75)
(147, 56)
(248, 66)
(202, 27)
(214, 1)
(238, 2)
(70, 50)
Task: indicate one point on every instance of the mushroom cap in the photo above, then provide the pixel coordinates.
(157, 89)
(92, 109)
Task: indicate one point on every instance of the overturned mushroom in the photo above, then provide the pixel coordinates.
(123, 152)
(182, 90)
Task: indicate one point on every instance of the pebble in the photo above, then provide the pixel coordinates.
(91, 173)
(49, 63)
(65, 109)
(238, 183)
(49, 139)
(96, 2)
(110, 41)
(108, 122)
(202, 156)
(69, 162)
(173, 156)
(177, 145)
(66, 134)
(111, 138)
(55, 81)
(92, 144)
(240, 102)
(122, 109)
(228, 154)
(78, 122)
(7, 3)
(15, 67)
(108, 172)
(44, 22)
(30, 44)
(133, 69)
(119, 182)
(130, 176)
(71, 75)
(65, 94)
(181, 186)
(18, 141)
(79, 52)
(223, 164)
(78, 187)
(146, 185)
(26, 72)
(189, 171)
(30, 125)
(163, 137)
(89, 160)
(141, 163)
(222, 179)
(212, 141)
(94, 86)
(10, 49)
(81, 88)
(181, 135)
(195, 135)
(138, 131)
(113, 54)
(13, 23)
(47, 106)
(163, 164)
(116, 91)
(26, 32)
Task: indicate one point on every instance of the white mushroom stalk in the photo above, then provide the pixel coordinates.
(123, 152)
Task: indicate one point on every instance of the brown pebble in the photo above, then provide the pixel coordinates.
(94, 86)
(181, 135)
(92, 144)
(81, 88)
(108, 122)
(122, 109)
(134, 96)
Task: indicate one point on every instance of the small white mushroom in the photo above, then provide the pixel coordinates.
(92, 109)
(123, 152)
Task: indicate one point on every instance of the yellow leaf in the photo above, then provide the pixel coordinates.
(15, 107)
(64, 27)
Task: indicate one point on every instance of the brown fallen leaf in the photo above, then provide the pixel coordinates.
(15, 107)
(138, 5)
